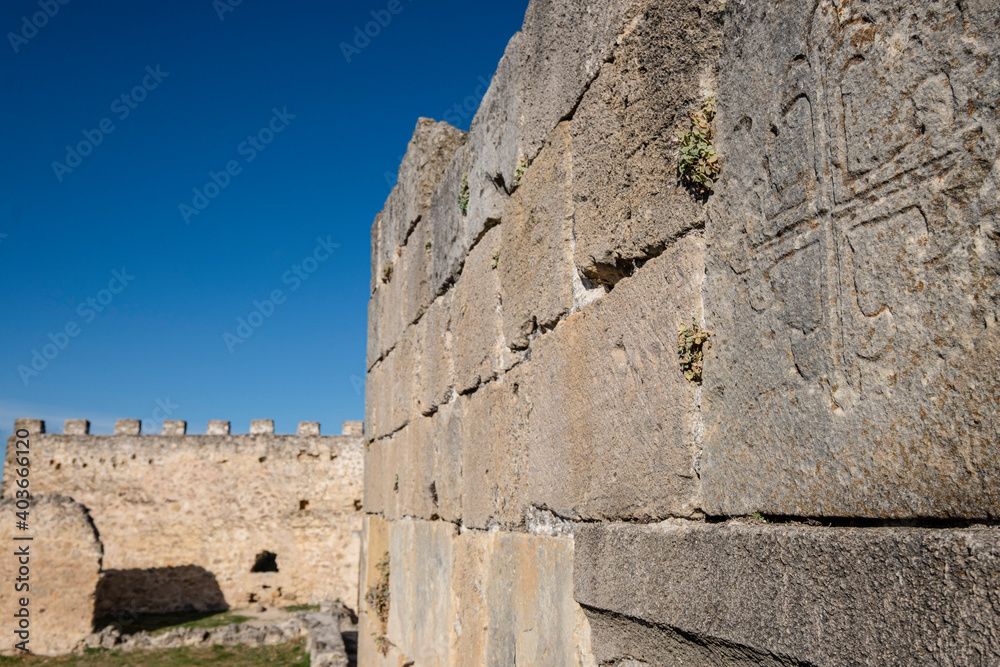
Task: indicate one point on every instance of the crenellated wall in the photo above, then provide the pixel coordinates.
(184, 518)
(547, 485)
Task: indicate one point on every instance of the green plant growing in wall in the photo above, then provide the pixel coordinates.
(691, 346)
(496, 260)
(698, 163)
(463, 195)
(522, 166)
(387, 273)
(377, 598)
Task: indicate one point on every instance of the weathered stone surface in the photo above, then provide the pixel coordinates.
(217, 427)
(402, 297)
(628, 642)
(475, 323)
(614, 425)
(312, 428)
(629, 202)
(531, 616)
(176, 427)
(434, 369)
(128, 427)
(76, 427)
(390, 396)
(417, 471)
(852, 282)
(476, 598)
(493, 142)
(494, 453)
(823, 596)
(421, 555)
(535, 263)
(562, 47)
(600, 422)
(430, 150)
(374, 545)
(262, 427)
(192, 514)
(452, 232)
(64, 559)
(351, 427)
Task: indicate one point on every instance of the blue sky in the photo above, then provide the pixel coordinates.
(281, 145)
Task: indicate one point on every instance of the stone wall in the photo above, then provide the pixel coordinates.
(63, 565)
(827, 493)
(188, 521)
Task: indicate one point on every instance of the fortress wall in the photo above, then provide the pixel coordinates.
(183, 518)
(63, 564)
(529, 421)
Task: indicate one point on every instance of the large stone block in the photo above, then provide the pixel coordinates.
(493, 142)
(535, 262)
(477, 598)
(852, 281)
(381, 493)
(417, 472)
(801, 594)
(531, 616)
(434, 370)
(403, 294)
(494, 453)
(476, 332)
(390, 391)
(64, 560)
(421, 555)
(374, 545)
(600, 422)
(629, 201)
(614, 425)
(562, 46)
(452, 232)
(429, 151)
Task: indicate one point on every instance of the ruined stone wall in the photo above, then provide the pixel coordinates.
(545, 483)
(63, 564)
(183, 518)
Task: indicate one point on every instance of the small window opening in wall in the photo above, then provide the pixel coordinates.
(252, 598)
(266, 562)
(303, 504)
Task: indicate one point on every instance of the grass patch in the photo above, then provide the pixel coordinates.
(302, 607)
(287, 655)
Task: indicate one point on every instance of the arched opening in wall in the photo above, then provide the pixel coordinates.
(265, 562)
(156, 597)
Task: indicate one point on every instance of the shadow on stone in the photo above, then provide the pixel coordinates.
(146, 599)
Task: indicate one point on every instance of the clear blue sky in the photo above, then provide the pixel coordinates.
(155, 336)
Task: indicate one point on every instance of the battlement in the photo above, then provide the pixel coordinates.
(175, 427)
